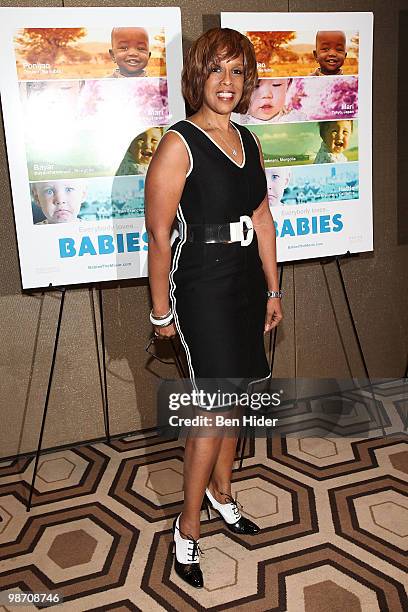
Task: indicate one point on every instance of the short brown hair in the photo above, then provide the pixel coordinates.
(210, 47)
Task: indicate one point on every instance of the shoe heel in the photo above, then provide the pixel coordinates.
(207, 505)
(173, 544)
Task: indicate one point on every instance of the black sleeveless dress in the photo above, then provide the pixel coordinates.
(218, 291)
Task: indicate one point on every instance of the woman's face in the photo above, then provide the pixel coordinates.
(224, 85)
(268, 98)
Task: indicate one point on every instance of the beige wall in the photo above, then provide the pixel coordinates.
(376, 282)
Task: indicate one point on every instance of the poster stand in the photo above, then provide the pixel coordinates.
(101, 370)
(323, 261)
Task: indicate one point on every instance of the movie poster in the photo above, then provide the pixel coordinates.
(311, 111)
(87, 95)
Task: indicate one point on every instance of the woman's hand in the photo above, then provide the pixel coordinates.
(165, 333)
(274, 314)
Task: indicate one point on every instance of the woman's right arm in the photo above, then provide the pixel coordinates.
(164, 185)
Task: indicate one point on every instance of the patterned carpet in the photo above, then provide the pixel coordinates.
(333, 512)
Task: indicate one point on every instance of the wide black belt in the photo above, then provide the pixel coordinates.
(239, 231)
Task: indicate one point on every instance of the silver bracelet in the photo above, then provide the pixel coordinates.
(160, 317)
(274, 294)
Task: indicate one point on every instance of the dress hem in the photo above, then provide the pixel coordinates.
(224, 406)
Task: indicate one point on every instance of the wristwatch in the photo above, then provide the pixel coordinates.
(274, 294)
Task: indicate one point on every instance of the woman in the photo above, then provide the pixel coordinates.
(211, 286)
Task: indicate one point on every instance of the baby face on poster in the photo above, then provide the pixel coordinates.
(336, 135)
(60, 201)
(130, 51)
(277, 179)
(330, 52)
(144, 145)
(268, 98)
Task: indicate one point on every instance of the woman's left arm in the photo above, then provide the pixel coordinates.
(266, 234)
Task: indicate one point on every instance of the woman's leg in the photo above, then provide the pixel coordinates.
(200, 454)
(209, 453)
(220, 480)
(220, 488)
(203, 455)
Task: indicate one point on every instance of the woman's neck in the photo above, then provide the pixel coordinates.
(207, 118)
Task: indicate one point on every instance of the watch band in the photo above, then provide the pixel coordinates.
(274, 294)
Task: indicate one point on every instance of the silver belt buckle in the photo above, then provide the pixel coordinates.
(180, 229)
(250, 233)
(218, 238)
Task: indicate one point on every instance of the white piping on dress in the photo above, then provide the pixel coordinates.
(252, 382)
(177, 254)
(270, 373)
(188, 150)
(220, 148)
(174, 267)
(253, 136)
